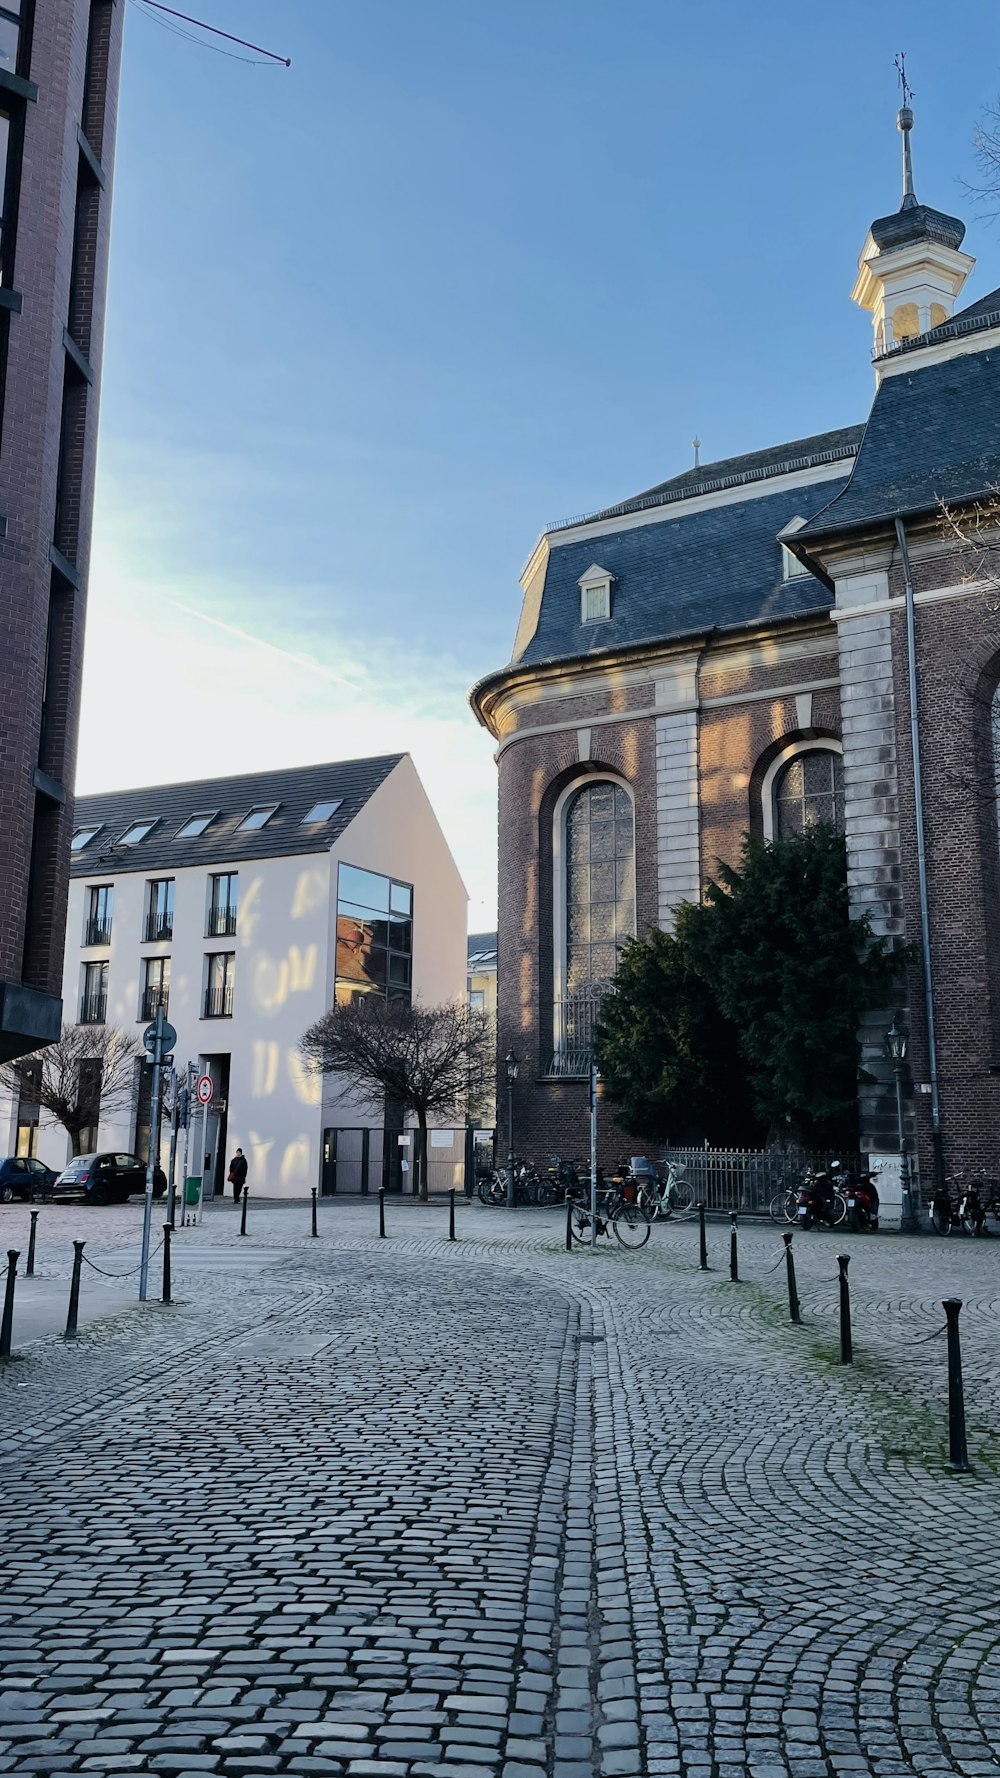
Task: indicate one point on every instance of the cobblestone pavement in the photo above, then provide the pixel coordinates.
(409, 1507)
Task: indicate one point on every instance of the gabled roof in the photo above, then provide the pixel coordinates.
(482, 951)
(933, 435)
(295, 790)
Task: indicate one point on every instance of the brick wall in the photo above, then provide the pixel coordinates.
(48, 450)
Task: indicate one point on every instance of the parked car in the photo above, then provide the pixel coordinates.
(21, 1176)
(106, 1179)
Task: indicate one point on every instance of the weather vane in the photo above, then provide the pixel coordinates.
(899, 63)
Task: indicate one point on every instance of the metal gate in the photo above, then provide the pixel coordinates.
(359, 1161)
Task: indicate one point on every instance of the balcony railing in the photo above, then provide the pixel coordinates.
(98, 932)
(573, 1021)
(219, 1002)
(222, 922)
(152, 998)
(93, 1010)
(159, 926)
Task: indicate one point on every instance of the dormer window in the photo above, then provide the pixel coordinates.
(135, 833)
(791, 567)
(595, 595)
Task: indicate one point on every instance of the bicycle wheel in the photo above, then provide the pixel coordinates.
(839, 1209)
(498, 1189)
(546, 1194)
(648, 1202)
(630, 1226)
(783, 1205)
(681, 1195)
(579, 1223)
(485, 1188)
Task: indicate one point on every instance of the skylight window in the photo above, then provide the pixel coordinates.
(135, 833)
(83, 837)
(257, 818)
(322, 811)
(196, 824)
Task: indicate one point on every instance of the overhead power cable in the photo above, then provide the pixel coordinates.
(213, 30)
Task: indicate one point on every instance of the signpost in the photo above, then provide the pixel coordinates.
(158, 1039)
(194, 1188)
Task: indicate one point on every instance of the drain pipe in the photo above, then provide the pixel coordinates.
(918, 798)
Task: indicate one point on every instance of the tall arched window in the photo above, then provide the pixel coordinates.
(808, 788)
(600, 882)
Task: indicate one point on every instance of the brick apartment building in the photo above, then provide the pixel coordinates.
(59, 69)
(728, 652)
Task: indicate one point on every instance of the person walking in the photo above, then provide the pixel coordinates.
(238, 1174)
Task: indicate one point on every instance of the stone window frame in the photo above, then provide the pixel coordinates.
(803, 744)
(560, 917)
(595, 585)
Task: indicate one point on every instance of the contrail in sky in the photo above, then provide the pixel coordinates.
(286, 654)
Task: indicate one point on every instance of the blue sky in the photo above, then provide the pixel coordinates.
(461, 271)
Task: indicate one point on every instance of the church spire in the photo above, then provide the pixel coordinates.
(904, 124)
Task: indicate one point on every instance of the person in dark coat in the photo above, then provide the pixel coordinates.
(238, 1174)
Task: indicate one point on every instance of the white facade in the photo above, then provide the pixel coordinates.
(284, 951)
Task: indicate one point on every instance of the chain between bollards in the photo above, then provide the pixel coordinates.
(314, 1231)
(244, 1198)
(74, 1291)
(702, 1243)
(846, 1343)
(958, 1450)
(451, 1215)
(29, 1270)
(7, 1320)
(734, 1256)
(793, 1295)
(168, 1229)
(381, 1212)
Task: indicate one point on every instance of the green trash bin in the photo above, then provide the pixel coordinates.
(192, 1191)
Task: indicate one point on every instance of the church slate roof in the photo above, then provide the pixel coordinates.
(917, 222)
(933, 435)
(295, 789)
(715, 569)
(734, 472)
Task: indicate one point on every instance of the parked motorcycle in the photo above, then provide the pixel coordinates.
(863, 1202)
(820, 1201)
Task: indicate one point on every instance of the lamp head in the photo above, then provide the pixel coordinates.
(895, 1044)
(512, 1064)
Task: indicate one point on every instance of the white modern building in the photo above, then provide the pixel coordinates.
(248, 905)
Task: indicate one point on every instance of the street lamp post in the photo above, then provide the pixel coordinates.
(512, 1064)
(895, 1049)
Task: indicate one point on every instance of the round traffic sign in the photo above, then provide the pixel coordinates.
(204, 1089)
(168, 1035)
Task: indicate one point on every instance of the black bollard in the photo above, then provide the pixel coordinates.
(702, 1243)
(29, 1270)
(846, 1343)
(167, 1232)
(314, 1232)
(734, 1259)
(243, 1210)
(793, 1295)
(7, 1320)
(957, 1448)
(569, 1224)
(451, 1216)
(74, 1291)
(381, 1212)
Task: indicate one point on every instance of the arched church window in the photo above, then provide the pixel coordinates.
(810, 788)
(600, 883)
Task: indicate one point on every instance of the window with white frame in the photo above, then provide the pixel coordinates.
(791, 567)
(595, 595)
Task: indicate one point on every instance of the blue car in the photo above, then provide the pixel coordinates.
(25, 1178)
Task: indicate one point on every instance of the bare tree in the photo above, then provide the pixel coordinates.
(90, 1069)
(431, 1060)
(986, 147)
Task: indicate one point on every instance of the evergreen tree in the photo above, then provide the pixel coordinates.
(668, 1057)
(794, 973)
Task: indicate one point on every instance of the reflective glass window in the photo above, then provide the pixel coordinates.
(809, 789)
(600, 877)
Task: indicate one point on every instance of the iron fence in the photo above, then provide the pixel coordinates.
(746, 1179)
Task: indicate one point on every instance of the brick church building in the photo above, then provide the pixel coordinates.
(790, 635)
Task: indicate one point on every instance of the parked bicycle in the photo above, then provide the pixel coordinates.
(966, 1211)
(660, 1194)
(615, 1216)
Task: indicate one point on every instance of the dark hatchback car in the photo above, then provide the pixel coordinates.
(21, 1176)
(105, 1179)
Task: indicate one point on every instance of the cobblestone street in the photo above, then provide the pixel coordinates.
(412, 1507)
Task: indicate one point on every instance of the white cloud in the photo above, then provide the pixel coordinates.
(196, 673)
